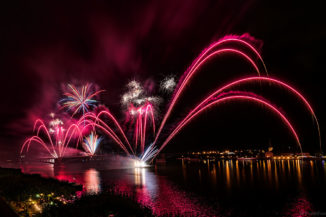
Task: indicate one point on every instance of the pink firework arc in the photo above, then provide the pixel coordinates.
(140, 108)
(57, 144)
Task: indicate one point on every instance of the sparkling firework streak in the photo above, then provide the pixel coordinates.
(91, 143)
(231, 98)
(236, 39)
(79, 100)
(57, 146)
(95, 121)
(257, 79)
(142, 124)
(139, 108)
(149, 153)
(201, 59)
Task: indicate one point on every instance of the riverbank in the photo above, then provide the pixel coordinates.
(99, 205)
(28, 194)
(33, 195)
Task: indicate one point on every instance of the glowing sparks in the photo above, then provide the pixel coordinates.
(91, 143)
(136, 96)
(149, 154)
(140, 164)
(55, 145)
(140, 107)
(56, 126)
(80, 99)
(133, 94)
(168, 84)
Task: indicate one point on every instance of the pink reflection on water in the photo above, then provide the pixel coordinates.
(160, 195)
(92, 181)
(46, 170)
(141, 184)
(300, 208)
(62, 175)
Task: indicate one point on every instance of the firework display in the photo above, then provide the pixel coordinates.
(55, 144)
(168, 84)
(79, 99)
(91, 143)
(141, 109)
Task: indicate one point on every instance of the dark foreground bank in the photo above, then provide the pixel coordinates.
(103, 204)
(33, 195)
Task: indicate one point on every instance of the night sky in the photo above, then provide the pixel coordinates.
(45, 45)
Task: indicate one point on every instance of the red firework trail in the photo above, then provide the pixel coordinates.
(107, 113)
(140, 128)
(230, 98)
(97, 122)
(96, 119)
(108, 132)
(258, 79)
(136, 133)
(143, 113)
(197, 63)
(239, 40)
(61, 143)
(149, 107)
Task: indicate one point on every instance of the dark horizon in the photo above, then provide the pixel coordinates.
(46, 45)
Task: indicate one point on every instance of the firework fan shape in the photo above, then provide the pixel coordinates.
(91, 143)
(55, 143)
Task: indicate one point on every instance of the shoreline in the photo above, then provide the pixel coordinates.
(34, 195)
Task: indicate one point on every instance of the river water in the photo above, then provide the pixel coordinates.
(211, 188)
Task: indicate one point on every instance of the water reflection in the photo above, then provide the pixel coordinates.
(92, 181)
(237, 172)
(300, 207)
(227, 174)
(269, 171)
(211, 188)
(184, 169)
(213, 174)
(298, 167)
(275, 175)
(36, 168)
